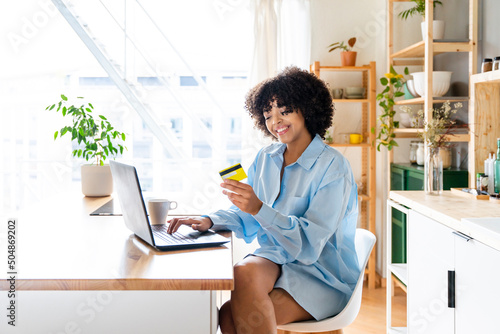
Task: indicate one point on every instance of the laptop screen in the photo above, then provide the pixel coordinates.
(130, 196)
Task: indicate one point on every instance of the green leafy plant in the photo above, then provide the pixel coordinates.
(97, 135)
(341, 45)
(393, 83)
(419, 9)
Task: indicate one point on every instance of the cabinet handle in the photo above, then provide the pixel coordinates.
(461, 235)
(451, 288)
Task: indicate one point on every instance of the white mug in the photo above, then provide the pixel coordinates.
(158, 210)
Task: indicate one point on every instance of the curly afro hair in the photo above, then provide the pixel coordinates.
(297, 90)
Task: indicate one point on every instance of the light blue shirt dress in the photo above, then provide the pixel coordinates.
(309, 229)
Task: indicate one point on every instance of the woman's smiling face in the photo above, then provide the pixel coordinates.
(288, 126)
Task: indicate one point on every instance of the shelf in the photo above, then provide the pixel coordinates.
(400, 270)
(417, 50)
(351, 100)
(365, 150)
(350, 145)
(397, 330)
(342, 68)
(436, 99)
(487, 77)
(412, 133)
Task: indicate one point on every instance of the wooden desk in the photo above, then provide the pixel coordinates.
(64, 249)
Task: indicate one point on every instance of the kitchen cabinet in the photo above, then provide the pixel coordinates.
(476, 287)
(451, 274)
(367, 156)
(406, 176)
(435, 252)
(430, 257)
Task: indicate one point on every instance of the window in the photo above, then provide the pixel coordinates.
(206, 119)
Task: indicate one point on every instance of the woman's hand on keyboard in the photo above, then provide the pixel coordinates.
(199, 223)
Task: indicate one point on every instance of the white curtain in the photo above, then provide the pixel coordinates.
(282, 36)
(294, 33)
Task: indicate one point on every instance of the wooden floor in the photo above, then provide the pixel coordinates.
(371, 317)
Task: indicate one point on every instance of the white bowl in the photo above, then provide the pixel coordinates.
(440, 82)
(410, 84)
(354, 91)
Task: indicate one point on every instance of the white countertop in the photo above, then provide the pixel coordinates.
(479, 219)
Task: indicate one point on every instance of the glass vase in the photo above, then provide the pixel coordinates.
(433, 172)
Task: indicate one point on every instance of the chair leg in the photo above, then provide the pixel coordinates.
(338, 331)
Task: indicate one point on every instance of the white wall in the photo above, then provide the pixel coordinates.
(338, 20)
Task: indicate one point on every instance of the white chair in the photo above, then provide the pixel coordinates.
(364, 244)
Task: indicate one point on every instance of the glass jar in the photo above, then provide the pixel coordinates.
(413, 152)
(496, 63)
(433, 172)
(445, 153)
(420, 154)
(487, 65)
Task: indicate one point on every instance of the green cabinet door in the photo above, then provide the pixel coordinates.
(411, 177)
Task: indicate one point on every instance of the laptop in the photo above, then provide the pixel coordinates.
(136, 219)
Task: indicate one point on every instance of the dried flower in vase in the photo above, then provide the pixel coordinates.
(441, 125)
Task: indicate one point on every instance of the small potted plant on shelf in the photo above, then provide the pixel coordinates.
(97, 140)
(419, 9)
(393, 83)
(347, 57)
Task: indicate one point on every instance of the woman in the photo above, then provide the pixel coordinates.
(300, 203)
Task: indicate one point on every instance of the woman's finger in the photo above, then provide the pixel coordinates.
(175, 223)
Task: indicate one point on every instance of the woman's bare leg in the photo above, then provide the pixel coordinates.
(254, 300)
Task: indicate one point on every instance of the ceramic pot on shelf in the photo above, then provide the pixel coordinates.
(437, 29)
(348, 58)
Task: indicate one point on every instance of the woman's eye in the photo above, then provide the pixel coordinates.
(266, 118)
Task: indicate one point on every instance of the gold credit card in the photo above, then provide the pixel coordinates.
(235, 172)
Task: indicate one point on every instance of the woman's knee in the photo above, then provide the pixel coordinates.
(256, 271)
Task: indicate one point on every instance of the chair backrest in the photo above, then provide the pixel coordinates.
(364, 242)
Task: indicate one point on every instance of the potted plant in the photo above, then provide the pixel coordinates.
(347, 57)
(97, 140)
(419, 9)
(393, 83)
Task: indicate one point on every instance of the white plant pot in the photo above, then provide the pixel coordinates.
(437, 29)
(96, 180)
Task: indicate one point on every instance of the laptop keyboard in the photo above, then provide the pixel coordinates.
(176, 238)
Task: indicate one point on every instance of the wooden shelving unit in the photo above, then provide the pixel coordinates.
(484, 119)
(368, 157)
(422, 53)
